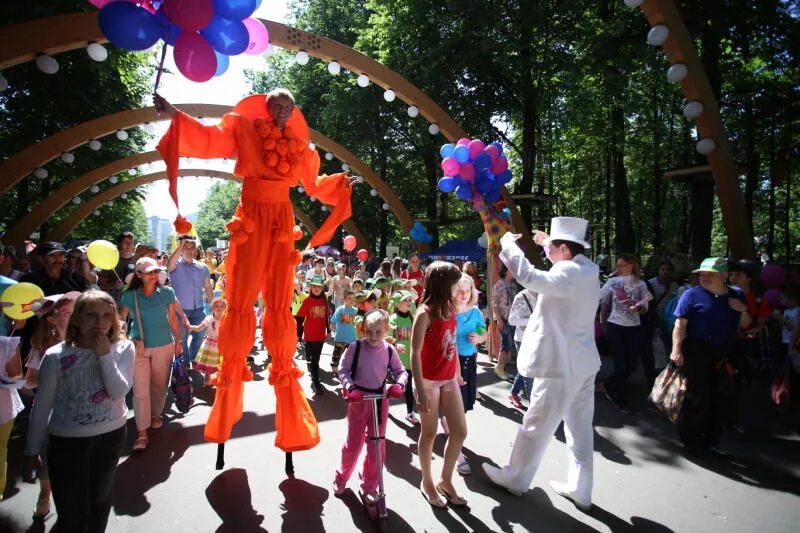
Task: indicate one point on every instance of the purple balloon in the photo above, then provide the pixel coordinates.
(467, 171)
(773, 297)
(195, 57)
(475, 148)
(773, 276)
(190, 15)
(450, 166)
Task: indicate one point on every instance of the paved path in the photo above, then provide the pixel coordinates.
(642, 481)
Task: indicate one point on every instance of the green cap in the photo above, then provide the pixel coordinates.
(712, 264)
(317, 280)
(378, 282)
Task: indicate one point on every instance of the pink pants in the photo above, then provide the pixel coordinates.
(360, 426)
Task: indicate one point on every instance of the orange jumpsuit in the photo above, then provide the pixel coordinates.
(262, 257)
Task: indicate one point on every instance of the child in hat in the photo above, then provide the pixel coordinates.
(365, 302)
(400, 322)
(343, 322)
(314, 311)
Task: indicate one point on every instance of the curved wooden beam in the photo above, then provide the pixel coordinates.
(17, 166)
(23, 41)
(680, 48)
(60, 232)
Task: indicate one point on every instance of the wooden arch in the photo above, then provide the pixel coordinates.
(60, 232)
(25, 40)
(18, 166)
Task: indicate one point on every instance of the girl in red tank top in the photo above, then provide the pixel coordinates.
(434, 365)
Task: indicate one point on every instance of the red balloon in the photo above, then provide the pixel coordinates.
(191, 15)
(195, 57)
(499, 166)
(349, 243)
(362, 255)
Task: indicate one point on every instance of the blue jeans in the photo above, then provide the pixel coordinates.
(626, 348)
(520, 381)
(194, 316)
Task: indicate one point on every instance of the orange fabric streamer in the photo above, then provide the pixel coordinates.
(262, 257)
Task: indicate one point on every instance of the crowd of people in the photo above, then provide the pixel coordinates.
(401, 327)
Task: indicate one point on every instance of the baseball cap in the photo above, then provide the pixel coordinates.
(146, 264)
(712, 264)
(48, 248)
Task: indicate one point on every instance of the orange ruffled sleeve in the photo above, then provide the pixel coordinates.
(331, 190)
(186, 137)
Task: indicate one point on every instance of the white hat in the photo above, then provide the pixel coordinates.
(571, 229)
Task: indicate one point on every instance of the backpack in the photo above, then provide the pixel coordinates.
(354, 366)
(181, 385)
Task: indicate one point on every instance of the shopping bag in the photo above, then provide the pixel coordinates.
(181, 385)
(669, 391)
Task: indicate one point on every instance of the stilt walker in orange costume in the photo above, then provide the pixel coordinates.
(269, 138)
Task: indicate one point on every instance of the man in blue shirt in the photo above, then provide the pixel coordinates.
(191, 281)
(708, 317)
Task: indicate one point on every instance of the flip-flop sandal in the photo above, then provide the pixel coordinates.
(438, 502)
(140, 444)
(456, 501)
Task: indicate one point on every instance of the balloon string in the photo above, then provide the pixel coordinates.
(161, 64)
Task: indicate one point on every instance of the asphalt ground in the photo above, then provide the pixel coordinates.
(643, 481)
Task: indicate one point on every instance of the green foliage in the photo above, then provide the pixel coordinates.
(113, 220)
(216, 211)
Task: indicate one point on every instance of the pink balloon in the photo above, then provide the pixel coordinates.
(773, 276)
(463, 141)
(493, 151)
(475, 148)
(499, 166)
(349, 243)
(467, 171)
(191, 15)
(450, 166)
(259, 37)
(773, 298)
(194, 57)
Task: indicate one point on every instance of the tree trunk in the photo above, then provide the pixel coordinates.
(702, 217)
(607, 215)
(625, 239)
(657, 177)
(431, 206)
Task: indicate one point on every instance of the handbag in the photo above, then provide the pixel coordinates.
(668, 392)
(138, 344)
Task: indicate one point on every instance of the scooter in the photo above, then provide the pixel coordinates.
(376, 509)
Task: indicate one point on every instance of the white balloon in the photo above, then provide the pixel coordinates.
(389, 95)
(373, 192)
(40, 173)
(76, 200)
(334, 67)
(633, 3)
(362, 80)
(300, 190)
(705, 146)
(124, 196)
(413, 111)
(68, 157)
(312, 198)
(657, 35)
(345, 167)
(329, 156)
(324, 208)
(693, 109)
(269, 51)
(95, 145)
(97, 51)
(94, 189)
(122, 135)
(3, 83)
(385, 206)
(312, 146)
(113, 179)
(483, 241)
(677, 72)
(301, 57)
(110, 203)
(97, 212)
(433, 129)
(47, 64)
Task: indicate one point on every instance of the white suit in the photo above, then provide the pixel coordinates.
(559, 350)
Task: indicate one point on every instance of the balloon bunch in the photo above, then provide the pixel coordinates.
(420, 234)
(474, 170)
(204, 33)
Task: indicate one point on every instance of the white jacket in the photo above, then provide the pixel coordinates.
(559, 340)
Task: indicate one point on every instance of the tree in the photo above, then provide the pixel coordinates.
(216, 211)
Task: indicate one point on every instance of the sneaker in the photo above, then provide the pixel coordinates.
(412, 419)
(515, 401)
(462, 465)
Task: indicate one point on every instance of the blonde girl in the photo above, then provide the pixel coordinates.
(208, 358)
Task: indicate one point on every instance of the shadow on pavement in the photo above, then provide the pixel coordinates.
(303, 505)
(230, 496)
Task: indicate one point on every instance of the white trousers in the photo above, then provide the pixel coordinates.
(152, 370)
(554, 400)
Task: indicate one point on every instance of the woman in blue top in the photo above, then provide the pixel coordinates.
(153, 310)
(470, 330)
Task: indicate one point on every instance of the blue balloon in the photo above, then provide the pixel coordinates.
(447, 184)
(461, 153)
(505, 213)
(229, 37)
(484, 185)
(222, 63)
(447, 150)
(464, 191)
(482, 161)
(499, 147)
(129, 26)
(493, 197)
(505, 177)
(235, 9)
(258, 4)
(427, 238)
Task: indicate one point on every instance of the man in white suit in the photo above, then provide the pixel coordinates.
(558, 349)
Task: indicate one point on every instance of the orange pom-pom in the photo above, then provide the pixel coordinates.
(182, 226)
(234, 225)
(297, 233)
(268, 144)
(272, 159)
(264, 130)
(247, 374)
(248, 225)
(239, 237)
(281, 147)
(258, 122)
(276, 133)
(283, 167)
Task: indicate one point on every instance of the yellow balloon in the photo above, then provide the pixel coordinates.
(21, 296)
(103, 254)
